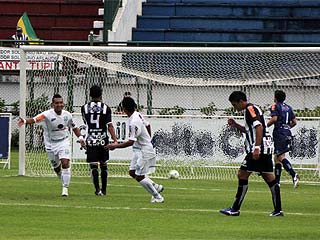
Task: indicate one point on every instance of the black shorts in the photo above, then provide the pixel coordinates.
(97, 154)
(262, 165)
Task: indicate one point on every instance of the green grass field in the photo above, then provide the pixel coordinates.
(32, 208)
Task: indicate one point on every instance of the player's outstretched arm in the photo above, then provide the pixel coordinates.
(38, 118)
(113, 146)
(22, 121)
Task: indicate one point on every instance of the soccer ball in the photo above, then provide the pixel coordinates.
(173, 174)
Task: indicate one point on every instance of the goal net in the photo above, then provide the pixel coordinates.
(183, 92)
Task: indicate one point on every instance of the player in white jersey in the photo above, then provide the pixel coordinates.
(56, 123)
(144, 156)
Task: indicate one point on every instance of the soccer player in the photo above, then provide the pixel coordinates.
(97, 116)
(283, 119)
(258, 146)
(56, 123)
(144, 156)
(120, 108)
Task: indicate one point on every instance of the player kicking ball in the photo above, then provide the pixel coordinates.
(144, 156)
(56, 123)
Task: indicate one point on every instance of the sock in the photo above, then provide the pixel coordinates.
(241, 193)
(156, 185)
(104, 178)
(147, 184)
(65, 177)
(288, 167)
(276, 197)
(277, 172)
(57, 170)
(95, 177)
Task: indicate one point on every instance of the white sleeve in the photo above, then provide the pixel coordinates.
(40, 117)
(71, 123)
(134, 132)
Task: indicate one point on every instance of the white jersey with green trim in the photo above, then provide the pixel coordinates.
(56, 127)
(138, 131)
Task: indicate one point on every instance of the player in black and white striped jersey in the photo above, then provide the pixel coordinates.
(97, 117)
(259, 150)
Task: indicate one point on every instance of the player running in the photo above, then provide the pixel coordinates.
(144, 156)
(56, 123)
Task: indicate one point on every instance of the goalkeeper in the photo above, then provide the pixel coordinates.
(283, 119)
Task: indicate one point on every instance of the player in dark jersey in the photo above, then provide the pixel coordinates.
(283, 119)
(259, 154)
(97, 117)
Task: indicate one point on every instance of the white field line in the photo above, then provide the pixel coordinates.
(181, 188)
(141, 209)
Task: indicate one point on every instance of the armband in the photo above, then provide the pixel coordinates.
(35, 120)
(257, 147)
(81, 138)
(24, 121)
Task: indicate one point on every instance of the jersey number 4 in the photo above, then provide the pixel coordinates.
(95, 121)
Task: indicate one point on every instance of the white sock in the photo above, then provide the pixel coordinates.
(65, 177)
(156, 185)
(147, 184)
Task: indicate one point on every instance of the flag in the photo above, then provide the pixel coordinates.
(27, 28)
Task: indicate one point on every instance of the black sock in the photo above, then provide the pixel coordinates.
(275, 193)
(288, 167)
(95, 177)
(104, 178)
(277, 171)
(241, 193)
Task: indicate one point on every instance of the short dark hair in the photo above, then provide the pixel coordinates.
(95, 91)
(129, 104)
(280, 95)
(57, 95)
(127, 94)
(236, 96)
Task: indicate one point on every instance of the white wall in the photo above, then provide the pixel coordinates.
(125, 20)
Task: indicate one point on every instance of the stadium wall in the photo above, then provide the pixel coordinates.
(125, 20)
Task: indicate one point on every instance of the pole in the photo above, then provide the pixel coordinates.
(22, 132)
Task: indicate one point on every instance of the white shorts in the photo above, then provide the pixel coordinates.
(143, 161)
(58, 151)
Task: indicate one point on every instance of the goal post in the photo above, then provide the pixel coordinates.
(183, 91)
